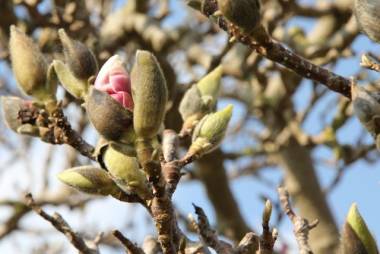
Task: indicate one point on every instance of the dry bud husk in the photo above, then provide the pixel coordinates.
(243, 13)
(78, 57)
(126, 173)
(149, 93)
(89, 179)
(356, 238)
(108, 116)
(11, 106)
(367, 13)
(30, 67)
(210, 131)
(367, 108)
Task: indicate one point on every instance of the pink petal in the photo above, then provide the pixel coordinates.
(120, 83)
(124, 99)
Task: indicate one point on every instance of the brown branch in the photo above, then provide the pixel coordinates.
(61, 225)
(264, 45)
(370, 63)
(301, 225)
(128, 244)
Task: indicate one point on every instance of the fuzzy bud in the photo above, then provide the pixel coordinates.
(210, 131)
(367, 108)
(107, 115)
(30, 67)
(356, 238)
(243, 13)
(267, 212)
(149, 93)
(367, 13)
(126, 172)
(80, 60)
(200, 99)
(89, 179)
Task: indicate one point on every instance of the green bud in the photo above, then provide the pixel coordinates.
(11, 107)
(149, 93)
(126, 172)
(209, 85)
(89, 179)
(210, 131)
(200, 99)
(356, 238)
(108, 116)
(267, 211)
(78, 57)
(243, 13)
(76, 87)
(30, 67)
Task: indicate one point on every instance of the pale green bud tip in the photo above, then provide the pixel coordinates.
(357, 223)
(216, 123)
(29, 65)
(209, 85)
(88, 179)
(75, 179)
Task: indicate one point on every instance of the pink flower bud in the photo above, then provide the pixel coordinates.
(114, 80)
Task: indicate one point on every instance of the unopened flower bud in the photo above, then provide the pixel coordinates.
(356, 238)
(114, 80)
(149, 94)
(126, 172)
(367, 108)
(267, 211)
(243, 13)
(30, 67)
(80, 60)
(367, 13)
(210, 131)
(200, 99)
(107, 115)
(90, 180)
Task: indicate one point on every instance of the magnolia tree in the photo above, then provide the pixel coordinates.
(150, 88)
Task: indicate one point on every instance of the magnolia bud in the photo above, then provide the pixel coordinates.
(107, 115)
(356, 238)
(210, 131)
(126, 173)
(30, 67)
(78, 57)
(89, 179)
(367, 108)
(367, 15)
(267, 211)
(200, 99)
(149, 93)
(243, 13)
(11, 107)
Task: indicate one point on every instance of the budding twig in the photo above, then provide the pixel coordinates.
(264, 45)
(368, 62)
(61, 225)
(301, 225)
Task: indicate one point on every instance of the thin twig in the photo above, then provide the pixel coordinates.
(301, 225)
(208, 235)
(61, 225)
(128, 244)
